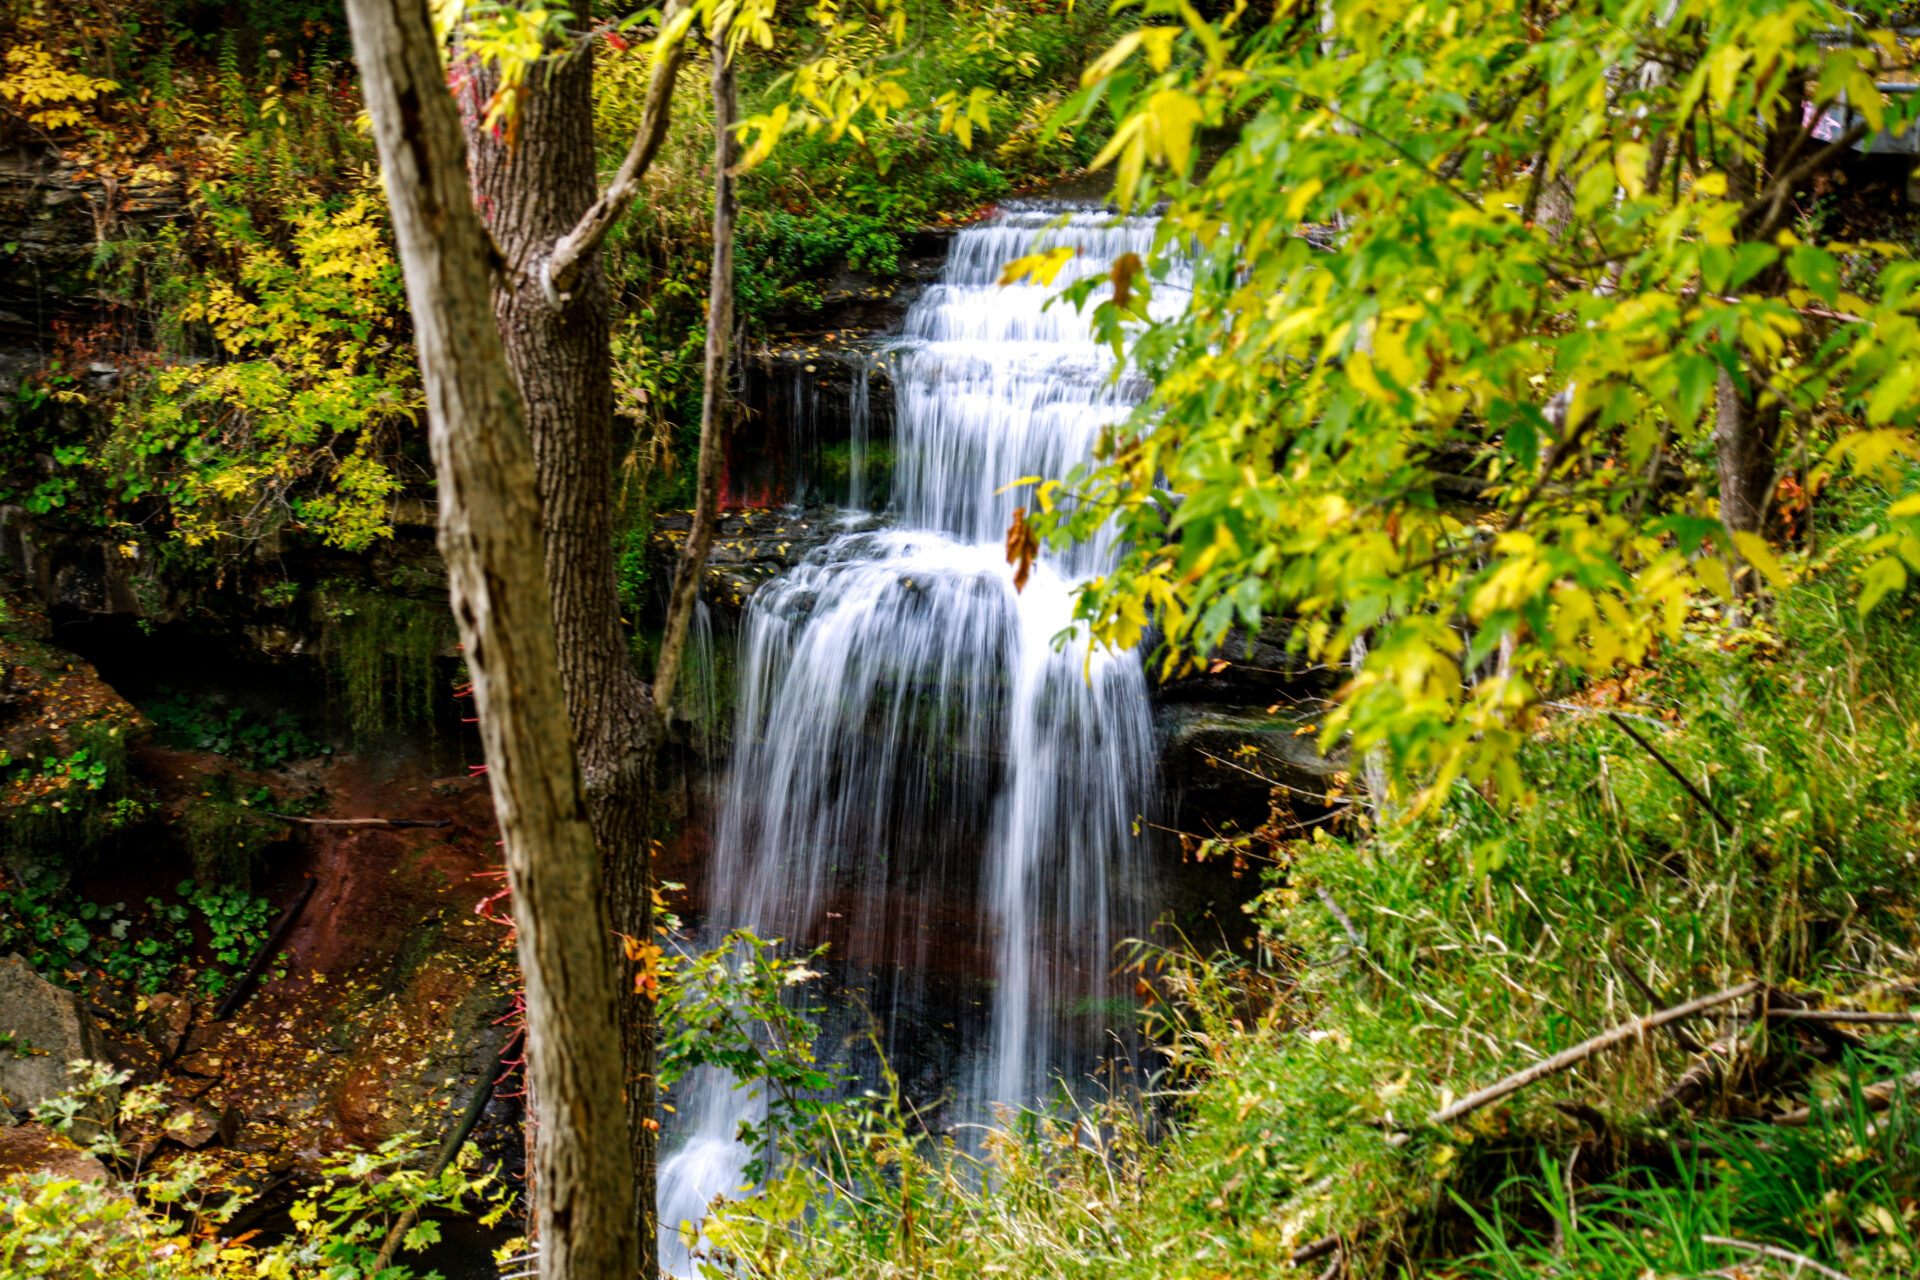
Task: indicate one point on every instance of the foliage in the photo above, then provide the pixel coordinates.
(253, 740)
(734, 1009)
(53, 96)
(63, 805)
(316, 375)
(1466, 290)
(56, 1226)
(382, 651)
(1838, 1191)
(66, 938)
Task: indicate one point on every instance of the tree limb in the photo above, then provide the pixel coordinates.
(562, 269)
(1843, 1015)
(1770, 200)
(1877, 1097)
(360, 822)
(1631, 1030)
(706, 512)
(1678, 776)
(1774, 1251)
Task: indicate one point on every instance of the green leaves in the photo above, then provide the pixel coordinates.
(1470, 419)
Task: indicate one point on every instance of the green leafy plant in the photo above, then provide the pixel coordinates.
(57, 1226)
(1475, 293)
(65, 937)
(255, 740)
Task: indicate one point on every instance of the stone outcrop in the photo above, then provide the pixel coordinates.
(45, 1031)
(32, 1148)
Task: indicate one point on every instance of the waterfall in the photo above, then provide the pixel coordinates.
(922, 777)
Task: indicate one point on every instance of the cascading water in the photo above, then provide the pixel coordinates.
(921, 778)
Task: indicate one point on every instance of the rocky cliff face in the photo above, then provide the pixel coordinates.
(57, 213)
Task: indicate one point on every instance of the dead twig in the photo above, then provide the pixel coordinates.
(1774, 1251)
(281, 928)
(1317, 1249)
(1877, 1097)
(1680, 1037)
(360, 822)
(1669, 766)
(1844, 1015)
(1631, 1030)
(1354, 935)
(1706, 1073)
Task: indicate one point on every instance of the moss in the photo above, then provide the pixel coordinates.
(381, 653)
(224, 837)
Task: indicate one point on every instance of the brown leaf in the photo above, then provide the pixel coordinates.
(1125, 267)
(1022, 546)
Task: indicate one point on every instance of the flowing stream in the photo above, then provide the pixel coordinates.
(922, 776)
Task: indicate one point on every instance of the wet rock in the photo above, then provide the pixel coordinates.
(31, 1148)
(749, 548)
(45, 1031)
(166, 1022)
(193, 1127)
(1224, 761)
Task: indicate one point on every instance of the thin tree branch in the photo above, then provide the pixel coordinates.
(1678, 776)
(1627, 971)
(1774, 1251)
(1777, 190)
(570, 253)
(359, 822)
(1844, 1015)
(706, 512)
(1876, 1097)
(1631, 1030)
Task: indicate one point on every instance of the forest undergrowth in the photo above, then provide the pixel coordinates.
(1404, 962)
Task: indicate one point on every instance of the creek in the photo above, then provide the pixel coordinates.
(926, 775)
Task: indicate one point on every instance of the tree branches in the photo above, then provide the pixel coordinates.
(562, 269)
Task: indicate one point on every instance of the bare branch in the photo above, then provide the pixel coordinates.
(1669, 766)
(706, 511)
(1875, 1097)
(570, 253)
(1798, 1260)
(360, 822)
(1632, 1030)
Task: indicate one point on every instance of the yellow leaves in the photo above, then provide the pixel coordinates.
(1712, 570)
(1880, 579)
(37, 79)
(1174, 115)
(1630, 166)
(1040, 268)
(959, 116)
(1157, 41)
(1754, 549)
(1359, 370)
(1301, 197)
(1723, 70)
(767, 130)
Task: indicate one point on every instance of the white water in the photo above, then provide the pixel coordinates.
(910, 744)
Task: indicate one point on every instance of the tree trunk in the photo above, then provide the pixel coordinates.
(1744, 439)
(490, 538)
(534, 192)
(1745, 434)
(706, 510)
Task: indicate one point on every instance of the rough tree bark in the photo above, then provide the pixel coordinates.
(1747, 420)
(706, 511)
(535, 192)
(490, 538)
(541, 200)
